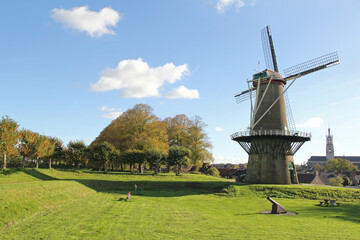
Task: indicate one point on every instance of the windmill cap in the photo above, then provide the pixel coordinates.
(267, 75)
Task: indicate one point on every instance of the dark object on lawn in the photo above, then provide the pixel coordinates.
(332, 203)
(276, 207)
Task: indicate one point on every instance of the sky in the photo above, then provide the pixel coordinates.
(68, 68)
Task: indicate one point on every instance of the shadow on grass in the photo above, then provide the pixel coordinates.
(35, 173)
(127, 173)
(146, 188)
(155, 188)
(346, 212)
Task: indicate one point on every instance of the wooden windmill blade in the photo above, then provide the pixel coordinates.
(269, 50)
(311, 66)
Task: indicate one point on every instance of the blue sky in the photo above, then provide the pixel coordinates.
(66, 67)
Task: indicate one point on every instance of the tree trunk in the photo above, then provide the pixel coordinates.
(37, 162)
(23, 162)
(50, 163)
(78, 165)
(105, 168)
(4, 165)
(140, 168)
(179, 169)
(121, 167)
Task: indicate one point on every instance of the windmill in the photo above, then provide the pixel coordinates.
(272, 139)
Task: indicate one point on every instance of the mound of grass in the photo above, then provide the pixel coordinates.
(125, 181)
(299, 192)
(21, 200)
(16, 176)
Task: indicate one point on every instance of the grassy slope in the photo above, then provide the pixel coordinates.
(17, 177)
(73, 209)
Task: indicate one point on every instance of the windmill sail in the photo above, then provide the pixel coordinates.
(244, 95)
(269, 50)
(313, 65)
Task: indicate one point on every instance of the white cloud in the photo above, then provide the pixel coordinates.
(183, 92)
(222, 5)
(82, 19)
(104, 108)
(312, 123)
(112, 113)
(219, 129)
(136, 79)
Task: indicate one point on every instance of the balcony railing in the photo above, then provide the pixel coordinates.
(275, 132)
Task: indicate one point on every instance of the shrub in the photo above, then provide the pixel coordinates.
(230, 190)
(213, 172)
(346, 181)
(337, 181)
(5, 171)
(240, 178)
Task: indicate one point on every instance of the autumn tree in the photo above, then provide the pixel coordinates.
(41, 148)
(178, 156)
(76, 152)
(198, 143)
(28, 140)
(191, 134)
(8, 137)
(50, 150)
(140, 129)
(59, 151)
(155, 158)
(134, 156)
(177, 130)
(102, 154)
(136, 129)
(340, 165)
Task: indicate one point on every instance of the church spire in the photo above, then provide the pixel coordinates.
(329, 146)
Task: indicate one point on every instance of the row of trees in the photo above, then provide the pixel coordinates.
(141, 137)
(135, 138)
(32, 146)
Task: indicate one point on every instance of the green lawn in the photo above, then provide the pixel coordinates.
(92, 206)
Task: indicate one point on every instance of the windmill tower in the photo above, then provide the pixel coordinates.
(272, 139)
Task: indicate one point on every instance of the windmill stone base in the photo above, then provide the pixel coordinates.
(270, 168)
(271, 155)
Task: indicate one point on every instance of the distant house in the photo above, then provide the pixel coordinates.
(222, 165)
(228, 170)
(311, 178)
(231, 173)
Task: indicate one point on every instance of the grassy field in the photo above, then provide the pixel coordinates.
(53, 204)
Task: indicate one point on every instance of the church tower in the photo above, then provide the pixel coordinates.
(329, 146)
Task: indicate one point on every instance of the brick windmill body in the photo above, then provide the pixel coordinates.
(272, 139)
